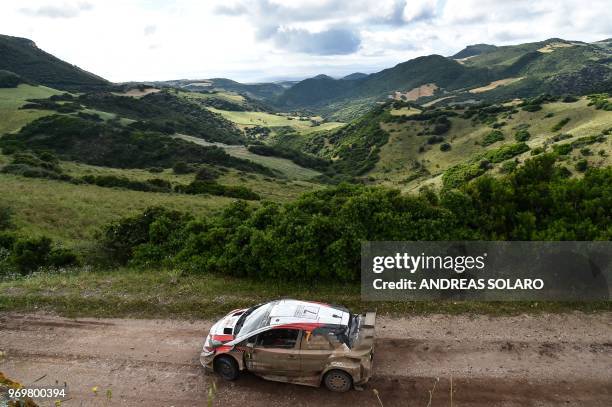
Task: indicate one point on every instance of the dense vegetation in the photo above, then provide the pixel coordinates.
(354, 148)
(459, 174)
(9, 79)
(46, 165)
(27, 254)
(111, 145)
(319, 236)
(305, 160)
(167, 113)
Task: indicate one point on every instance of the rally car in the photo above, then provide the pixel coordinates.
(293, 341)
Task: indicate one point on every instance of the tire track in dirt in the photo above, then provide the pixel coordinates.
(504, 361)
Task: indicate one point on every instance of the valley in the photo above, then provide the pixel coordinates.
(229, 172)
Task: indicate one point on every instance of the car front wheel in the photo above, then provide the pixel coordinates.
(338, 381)
(226, 367)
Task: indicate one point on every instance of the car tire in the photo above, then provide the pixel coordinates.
(338, 381)
(226, 367)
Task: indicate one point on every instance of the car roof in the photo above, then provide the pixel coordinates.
(305, 313)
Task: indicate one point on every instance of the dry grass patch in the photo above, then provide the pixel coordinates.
(495, 84)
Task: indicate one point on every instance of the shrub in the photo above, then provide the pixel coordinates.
(119, 239)
(492, 137)
(509, 166)
(6, 215)
(522, 135)
(213, 188)
(206, 174)
(319, 235)
(563, 149)
(445, 147)
(435, 139)
(560, 124)
(31, 254)
(113, 181)
(532, 108)
(182, 167)
(582, 165)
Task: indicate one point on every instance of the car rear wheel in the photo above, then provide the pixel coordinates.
(226, 367)
(338, 381)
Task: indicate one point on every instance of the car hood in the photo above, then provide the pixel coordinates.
(223, 329)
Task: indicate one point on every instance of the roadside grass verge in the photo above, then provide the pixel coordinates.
(172, 294)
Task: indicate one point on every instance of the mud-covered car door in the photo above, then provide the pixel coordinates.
(274, 352)
(315, 350)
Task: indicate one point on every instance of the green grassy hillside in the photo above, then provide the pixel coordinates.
(412, 158)
(553, 66)
(23, 57)
(11, 99)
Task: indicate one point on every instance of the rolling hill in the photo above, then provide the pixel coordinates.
(553, 66)
(22, 57)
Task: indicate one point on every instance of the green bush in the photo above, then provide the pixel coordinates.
(29, 255)
(113, 181)
(213, 188)
(6, 215)
(319, 235)
(182, 167)
(445, 147)
(581, 165)
(522, 135)
(492, 137)
(509, 166)
(560, 124)
(207, 174)
(563, 149)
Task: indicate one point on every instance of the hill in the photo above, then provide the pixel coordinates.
(354, 76)
(22, 57)
(254, 90)
(480, 72)
(473, 50)
(407, 146)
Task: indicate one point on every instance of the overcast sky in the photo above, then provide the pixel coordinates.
(255, 40)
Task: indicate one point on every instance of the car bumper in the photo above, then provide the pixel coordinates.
(206, 359)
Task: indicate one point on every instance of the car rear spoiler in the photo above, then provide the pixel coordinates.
(370, 319)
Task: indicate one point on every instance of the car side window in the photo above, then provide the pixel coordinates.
(278, 338)
(315, 341)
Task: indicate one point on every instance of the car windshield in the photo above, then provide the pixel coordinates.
(253, 318)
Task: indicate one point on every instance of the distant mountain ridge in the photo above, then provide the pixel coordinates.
(473, 50)
(22, 57)
(478, 72)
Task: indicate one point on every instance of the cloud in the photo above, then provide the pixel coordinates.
(64, 10)
(335, 41)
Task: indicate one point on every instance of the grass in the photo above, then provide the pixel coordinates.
(400, 158)
(11, 99)
(495, 84)
(170, 293)
(229, 96)
(405, 111)
(287, 167)
(274, 120)
(278, 190)
(72, 213)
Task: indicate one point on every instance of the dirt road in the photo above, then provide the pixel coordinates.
(546, 360)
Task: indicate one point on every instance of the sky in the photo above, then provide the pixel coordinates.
(265, 40)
